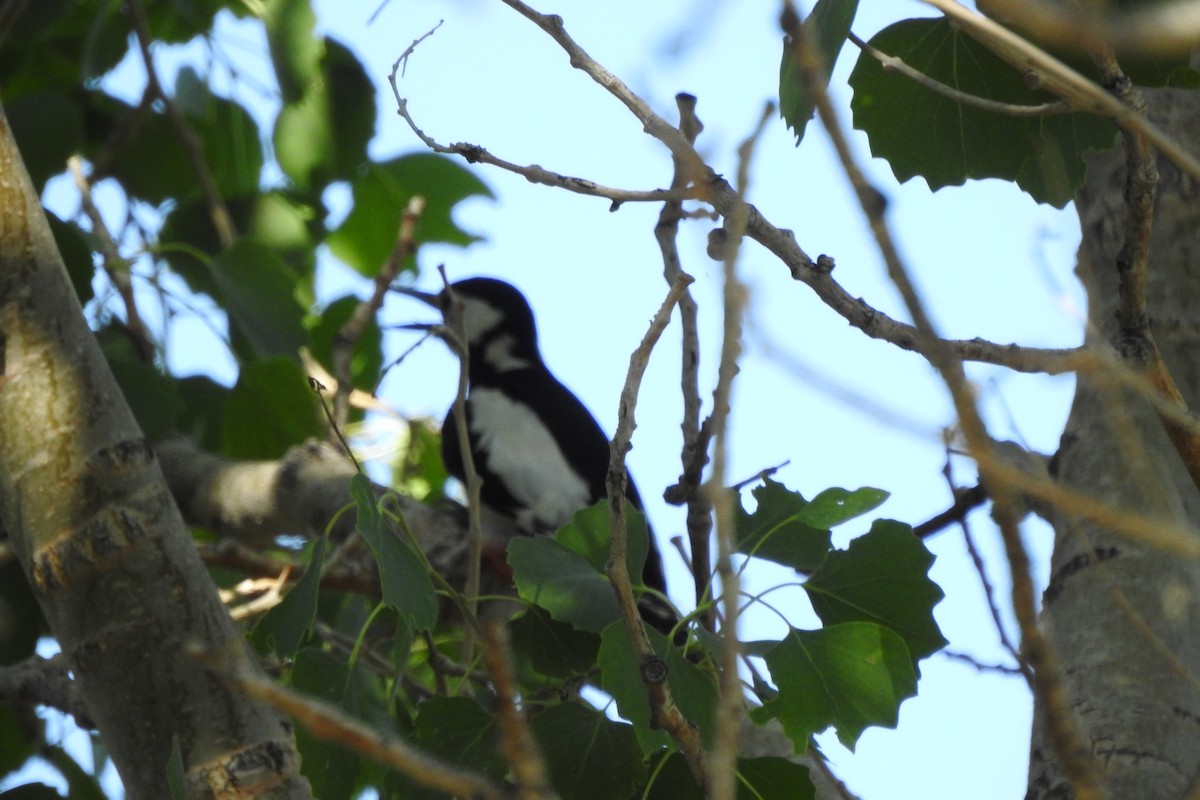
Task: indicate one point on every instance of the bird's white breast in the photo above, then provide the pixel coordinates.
(517, 446)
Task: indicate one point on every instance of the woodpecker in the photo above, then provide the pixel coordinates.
(542, 456)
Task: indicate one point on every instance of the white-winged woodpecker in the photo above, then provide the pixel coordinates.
(540, 453)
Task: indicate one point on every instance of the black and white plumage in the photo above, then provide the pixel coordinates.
(540, 453)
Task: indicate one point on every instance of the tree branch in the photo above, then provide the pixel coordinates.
(897, 64)
(193, 147)
(345, 340)
(694, 455)
(38, 681)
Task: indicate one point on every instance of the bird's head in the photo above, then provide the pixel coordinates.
(497, 319)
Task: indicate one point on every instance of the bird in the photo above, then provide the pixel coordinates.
(540, 453)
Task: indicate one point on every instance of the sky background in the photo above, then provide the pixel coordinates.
(839, 408)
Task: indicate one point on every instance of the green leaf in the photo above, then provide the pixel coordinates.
(31, 791)
(274, 219)
(203, 409)
(406, 585)
(922, 132)
(775, 530)
(48, 127)
(259, 295)
(382, 191)
(562, 581)
(589, 533)
(152, 397)
(322, 135)
(331, 769)
(832, 507)
(831, 21)
(590, 756)
(882, 577)
(847, 676)
(76, 253)
(460, 731)
(286, 626)
(551, 648)
(15, 746)
(233, 149)
(295, 50)
(176, 772)
(772, 778)
(764, 778)
(270, 409)
(693, 689)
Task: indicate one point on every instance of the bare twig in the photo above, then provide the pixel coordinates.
(965, 501)
(329, 723)
(664, 713)
(694, 455)
(456, 338)
(345, 340)
(730, 704)
(897, 64)
(474, 154)
(115, 266)
(520, 749)
(1068, 742)
(193, 147)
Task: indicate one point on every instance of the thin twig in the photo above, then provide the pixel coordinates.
(694, 455)
(347, 337)
(475, 154)
(116, 267)
(193, 147)
(1068, 741)
(730, 704)
(456, 338)
(520, 749)
(897, 64)
(329, 723)
(664, 713)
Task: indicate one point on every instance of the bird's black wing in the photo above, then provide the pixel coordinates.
(584, 445)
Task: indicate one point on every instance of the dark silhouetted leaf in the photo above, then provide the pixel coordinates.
(270, 409)
(590, 756)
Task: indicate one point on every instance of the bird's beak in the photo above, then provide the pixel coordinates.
(427, 298)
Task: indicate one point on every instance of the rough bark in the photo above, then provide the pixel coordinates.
(102, 544)
(1123, 616)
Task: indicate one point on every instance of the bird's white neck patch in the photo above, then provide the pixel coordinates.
(499, 355)
(520, 450)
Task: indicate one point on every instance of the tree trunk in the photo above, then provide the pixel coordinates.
(1121, 615)
(91, 520)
